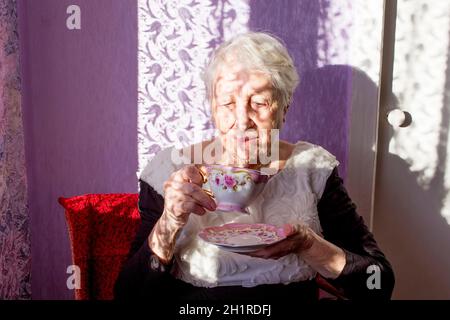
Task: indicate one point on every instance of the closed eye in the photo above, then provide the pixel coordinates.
(227, 105)
(259, 104)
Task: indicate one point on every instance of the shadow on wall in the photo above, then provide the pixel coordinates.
(411, 230)
(337, 109)
(321, 110)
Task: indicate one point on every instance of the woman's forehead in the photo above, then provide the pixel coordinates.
(232, 79)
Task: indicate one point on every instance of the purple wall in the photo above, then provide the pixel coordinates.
(80, 119)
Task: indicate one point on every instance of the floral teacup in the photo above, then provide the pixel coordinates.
(233, 189)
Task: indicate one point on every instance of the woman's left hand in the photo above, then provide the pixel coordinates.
(299, 238)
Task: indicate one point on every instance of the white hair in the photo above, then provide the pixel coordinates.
(257, 51)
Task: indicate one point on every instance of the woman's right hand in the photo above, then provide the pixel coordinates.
(183, 195)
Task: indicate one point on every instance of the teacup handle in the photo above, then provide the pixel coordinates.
(201, 170)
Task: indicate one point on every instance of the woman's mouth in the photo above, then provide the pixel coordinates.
(245, 139)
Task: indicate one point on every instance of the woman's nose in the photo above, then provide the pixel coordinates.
(242, 115)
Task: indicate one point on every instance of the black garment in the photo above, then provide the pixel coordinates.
(341, 225)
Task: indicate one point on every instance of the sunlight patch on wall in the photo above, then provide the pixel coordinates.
(350, 33)
(333, 33)
(366, 40)
(421, 51)
(174, 42)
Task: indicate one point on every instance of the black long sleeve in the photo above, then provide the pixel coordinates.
(136, 270)
(344, 227)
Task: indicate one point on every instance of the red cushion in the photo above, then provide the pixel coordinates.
(101, 229)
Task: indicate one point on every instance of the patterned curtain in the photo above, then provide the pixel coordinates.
(15, 258)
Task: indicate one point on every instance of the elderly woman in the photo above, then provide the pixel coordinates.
(250, 81)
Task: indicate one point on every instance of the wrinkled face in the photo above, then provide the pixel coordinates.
(244, 111)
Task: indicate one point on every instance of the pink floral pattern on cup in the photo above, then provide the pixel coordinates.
(230, 182)
(234, 180)
(234, 188)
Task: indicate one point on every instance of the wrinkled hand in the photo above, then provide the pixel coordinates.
(183, 195)
(299, 238)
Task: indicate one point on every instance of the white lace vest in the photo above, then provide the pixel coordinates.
(289, 197)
